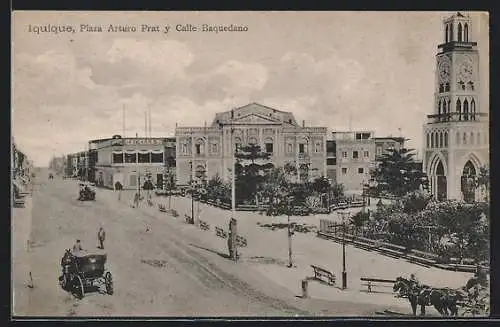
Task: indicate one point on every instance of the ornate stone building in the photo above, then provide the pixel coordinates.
(456, 143)
(203, 152)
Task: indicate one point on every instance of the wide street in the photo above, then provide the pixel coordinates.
(196, 278)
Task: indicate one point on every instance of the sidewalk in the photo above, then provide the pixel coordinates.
(21, 233)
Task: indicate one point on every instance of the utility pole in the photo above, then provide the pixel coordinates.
(192, 192)
(233, 184)
(344, 272)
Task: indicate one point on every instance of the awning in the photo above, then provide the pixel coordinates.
(157, 151)
(130, 151)
(143, 151)
(117, 152)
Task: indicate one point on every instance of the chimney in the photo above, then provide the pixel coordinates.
(303, 123)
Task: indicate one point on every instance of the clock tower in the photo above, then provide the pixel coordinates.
(456, 143)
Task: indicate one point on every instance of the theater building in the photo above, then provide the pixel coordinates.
(205, 151)
(130, 161)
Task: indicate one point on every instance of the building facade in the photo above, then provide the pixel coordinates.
(455, 137)
(384, 144)
(355, 157)
(130, 161)
(203, 152)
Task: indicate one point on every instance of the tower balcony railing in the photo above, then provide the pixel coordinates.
(456, 117)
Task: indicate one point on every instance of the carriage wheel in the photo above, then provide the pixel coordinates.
(78, 287)
(109, 283)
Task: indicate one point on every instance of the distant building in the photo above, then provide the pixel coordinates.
(354, 159)
(205, 151)
(384, 144)
(130, 160)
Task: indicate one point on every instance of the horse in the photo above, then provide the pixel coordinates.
(414, 294)
(444, 300)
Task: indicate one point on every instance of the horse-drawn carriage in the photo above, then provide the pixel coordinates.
(83, 272)
(51, 176)
(87, 192)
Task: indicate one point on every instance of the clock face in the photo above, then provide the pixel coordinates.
(444, 71)
(465, 71)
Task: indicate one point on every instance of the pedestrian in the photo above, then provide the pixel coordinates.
(136, 200)
(101, 236)
(119, 187)
(77, 247)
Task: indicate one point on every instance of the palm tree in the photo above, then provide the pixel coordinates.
(398, 173)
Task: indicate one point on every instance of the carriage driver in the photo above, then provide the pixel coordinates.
(77, 247)
(414, 281)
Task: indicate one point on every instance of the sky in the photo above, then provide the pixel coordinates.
(361, 70)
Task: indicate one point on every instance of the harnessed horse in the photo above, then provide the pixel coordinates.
(444, 300)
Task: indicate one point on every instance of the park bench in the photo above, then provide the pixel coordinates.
(241, 241)
(220, 232)
(371, 282)
(204, 225)
(320, 273)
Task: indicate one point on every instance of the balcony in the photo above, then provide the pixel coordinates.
(456, 117)
(457, 44)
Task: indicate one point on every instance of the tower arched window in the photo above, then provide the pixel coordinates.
(441, 88)
(466, 110)
(464, 140)
(447, 87)
(446, 35)
(445, 139)
(466, 32)
(458, 138)
(436, 139)
(441, 139)
(451, 32)
(459, 32)
(478, 138)
(459, 109)
(473, 109)
(428, 140)
(444, 107)
(439, 108)
(472, 138)
(432, 140)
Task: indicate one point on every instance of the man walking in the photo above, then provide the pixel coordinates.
(119, 187)
(101, 235)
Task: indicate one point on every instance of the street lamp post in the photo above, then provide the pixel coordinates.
(344, 272)
(192, 191)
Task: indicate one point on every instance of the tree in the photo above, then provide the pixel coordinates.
(360, 219)
(282, 197)
(250, 171)
(483, 181)
(398, 173)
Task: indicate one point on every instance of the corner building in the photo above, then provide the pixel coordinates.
(203, 152)
(455, 137)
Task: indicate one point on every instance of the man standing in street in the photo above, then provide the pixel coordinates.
(101, 235)
(77, 247)
(119, 187)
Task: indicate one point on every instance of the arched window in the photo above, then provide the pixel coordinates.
(466, 110)
(472, 138)
(436, 139)
(451, 32)
(466, 32)
(478, 138)
(441, 139)
(200, 147)
(445, 139)
(446, 38)
(428, 140)
(464, 141)
(432, 140)
(470, 86)
(441, 88)
(252, 140)
(473, 109)
(439, 108)
(459, 109)
(447, 87)
(444, 107)
(459, 32)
